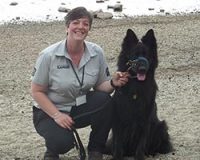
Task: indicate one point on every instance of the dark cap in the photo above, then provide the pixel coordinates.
(77, 13)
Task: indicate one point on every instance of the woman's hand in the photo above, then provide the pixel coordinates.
(39, 95)
(120, 79)
(63, 120)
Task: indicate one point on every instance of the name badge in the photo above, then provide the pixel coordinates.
(81, 100)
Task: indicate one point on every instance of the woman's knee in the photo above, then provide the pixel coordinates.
(60, 144)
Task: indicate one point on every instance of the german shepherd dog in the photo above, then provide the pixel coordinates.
(137, 131)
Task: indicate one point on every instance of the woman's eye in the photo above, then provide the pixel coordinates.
(86, 24)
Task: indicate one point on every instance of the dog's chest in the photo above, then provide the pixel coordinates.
(135, 98)
(135, 92)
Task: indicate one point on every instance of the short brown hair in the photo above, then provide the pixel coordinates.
(76, 13)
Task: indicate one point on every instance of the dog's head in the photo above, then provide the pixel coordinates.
(138, 57)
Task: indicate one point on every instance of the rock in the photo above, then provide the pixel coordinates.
(117, 7)
(110, 7)
(99, 1)
(94, 13)
(104, 15)
(150, 9)
(47, 16)
(13, 3)
(63, 9)
(162, 10)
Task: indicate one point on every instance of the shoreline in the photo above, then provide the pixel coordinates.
(177, 76)
(142, 18)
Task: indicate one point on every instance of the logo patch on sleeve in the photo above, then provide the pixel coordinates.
(33, 72)
(107, 72)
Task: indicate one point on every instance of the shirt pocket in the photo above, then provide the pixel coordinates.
(91, 76)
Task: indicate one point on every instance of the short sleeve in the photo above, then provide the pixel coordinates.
(104, 74)
(40, 73)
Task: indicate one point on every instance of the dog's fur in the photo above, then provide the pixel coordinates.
(137, 131)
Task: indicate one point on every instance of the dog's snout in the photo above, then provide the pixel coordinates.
(142, 64)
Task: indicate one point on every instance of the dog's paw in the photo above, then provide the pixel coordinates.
(129, 158)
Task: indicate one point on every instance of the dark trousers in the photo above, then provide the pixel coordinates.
(97, 112)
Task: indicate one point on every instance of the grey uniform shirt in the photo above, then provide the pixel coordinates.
(53, 69)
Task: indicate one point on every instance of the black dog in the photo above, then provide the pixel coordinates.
(137, 131)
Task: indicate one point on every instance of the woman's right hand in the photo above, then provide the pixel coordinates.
(63, 120)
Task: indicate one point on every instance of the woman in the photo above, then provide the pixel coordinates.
(62, 80)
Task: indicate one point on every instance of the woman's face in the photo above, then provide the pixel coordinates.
(78, 29)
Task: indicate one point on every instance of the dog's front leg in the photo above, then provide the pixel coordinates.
(139, 154)
(117, 147)
(140, 150)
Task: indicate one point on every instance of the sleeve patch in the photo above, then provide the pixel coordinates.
(107, 72)
(33, 72)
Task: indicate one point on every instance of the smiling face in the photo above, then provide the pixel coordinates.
(78, 29)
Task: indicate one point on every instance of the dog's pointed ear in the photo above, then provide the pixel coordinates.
(149, 39)
(130, 39)
(131, 36)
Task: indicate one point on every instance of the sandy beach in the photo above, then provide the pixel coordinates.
(177, 75)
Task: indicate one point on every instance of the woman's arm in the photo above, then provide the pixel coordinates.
(119, 79)
(38, 93)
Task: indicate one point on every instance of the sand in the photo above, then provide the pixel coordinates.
(177, 76)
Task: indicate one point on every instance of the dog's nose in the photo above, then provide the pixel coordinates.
(142, 64)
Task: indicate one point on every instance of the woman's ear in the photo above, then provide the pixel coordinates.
(66, 29)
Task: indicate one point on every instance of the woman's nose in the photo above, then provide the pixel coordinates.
(81, 25)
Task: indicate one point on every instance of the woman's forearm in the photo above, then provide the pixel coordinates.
(106, 87)
(39, 95)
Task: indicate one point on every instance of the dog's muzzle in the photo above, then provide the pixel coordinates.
(138, 67)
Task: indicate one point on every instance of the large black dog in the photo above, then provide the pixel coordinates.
(137, 131)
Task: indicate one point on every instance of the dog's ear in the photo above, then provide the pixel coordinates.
(149, 39)
(130, 39)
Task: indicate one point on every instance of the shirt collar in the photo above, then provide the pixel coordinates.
(89, 50)
(61, 50)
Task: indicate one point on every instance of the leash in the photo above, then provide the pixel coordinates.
(78, 143)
